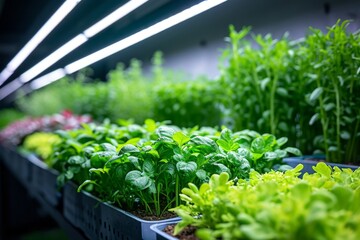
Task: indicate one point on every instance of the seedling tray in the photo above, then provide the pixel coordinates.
(44, 181)
(310, 161)
(72, 205)
(160, 234)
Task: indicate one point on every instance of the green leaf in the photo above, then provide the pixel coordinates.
(137, 180)
(314, 118)
(264, 83)
(186, 167)
(316, 94)
(148, 168)
(134, 161)
(129, 148)
(150, 125)
(258, 145)
(201, 174)
(99, 159)
(345, 135)
(84, 138)
(76, 160)
(323, 169)
(329, 106)
(180, 138)
(281, 141)
(270, 155)
(293, 150)
(164, 131)
(224, 144)
(108, 147)
(204, 144)
(282, 92)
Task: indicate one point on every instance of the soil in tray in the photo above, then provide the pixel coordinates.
(187, 234)
(143, 215)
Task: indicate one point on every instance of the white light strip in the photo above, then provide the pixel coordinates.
(52, 58)
(80, 39)
(113, 17)
(143, 34)
(53, 21)
(47, 79)
(9, 88)
(122, 44)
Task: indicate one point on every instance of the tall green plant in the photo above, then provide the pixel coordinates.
(333, 62)
(258, 83)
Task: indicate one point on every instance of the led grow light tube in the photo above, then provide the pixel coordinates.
(53, 21)
(141, 35)
(80, 39)
(53, 57)
(48, 78)
(127, 42)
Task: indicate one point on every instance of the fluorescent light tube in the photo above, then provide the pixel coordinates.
(141, 35)
(9, 88)
(113, 17)
(53, 21)
(47, 79)
(122, 44)
(80, 39)
(53, 58)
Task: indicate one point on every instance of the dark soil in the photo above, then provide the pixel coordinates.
(187, 234)
(143, 215)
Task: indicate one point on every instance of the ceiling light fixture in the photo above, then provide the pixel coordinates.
(125, 43)
(44, 31)
(141, 35)
(80, 39)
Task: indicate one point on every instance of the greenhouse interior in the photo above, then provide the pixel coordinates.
(169, 119)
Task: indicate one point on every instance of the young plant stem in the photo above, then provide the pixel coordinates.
(147, 206)
(338, 113)
(177, 200)
(323, 122)
(352, 151)
(272, 105)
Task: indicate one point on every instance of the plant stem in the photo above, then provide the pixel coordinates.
(177, 191)
(338, 112)
(272, 105)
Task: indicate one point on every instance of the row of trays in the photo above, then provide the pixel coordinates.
(96, 219)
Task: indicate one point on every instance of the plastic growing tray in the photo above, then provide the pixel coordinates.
(72, 205)
(310, 161)
(91, 216)
(119, 224)
(44, 181)
(102, 221)
(160, 234)
(18, 164)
